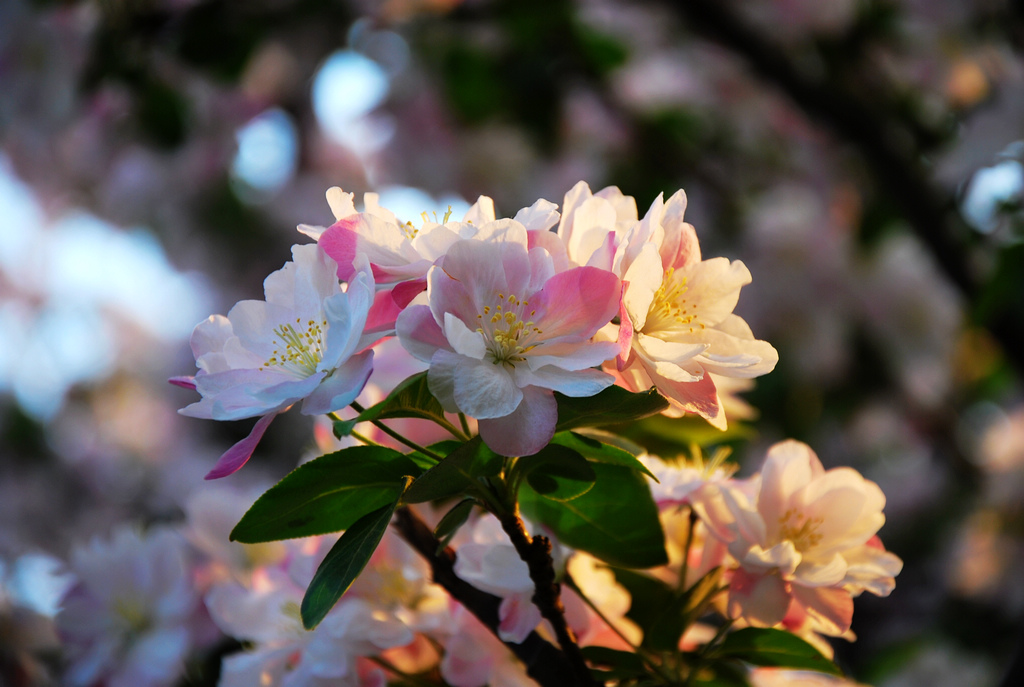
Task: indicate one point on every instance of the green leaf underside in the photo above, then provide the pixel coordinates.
(458, 471)
(411, 398)
(558, 473)
(620, 665)
(454, 519)
(774, 648)
(343, 563)
(616, 520)
(600, 452)
(327, 494)
(613, 405)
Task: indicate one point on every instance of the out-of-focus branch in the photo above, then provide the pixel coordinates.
(888, 147)
(544, 663)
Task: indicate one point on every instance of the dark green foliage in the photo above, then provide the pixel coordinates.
(616, 520)
(612, 406)
(327, 494)
(456, 474)
(343, 563)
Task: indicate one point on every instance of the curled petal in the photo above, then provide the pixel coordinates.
(238, 455)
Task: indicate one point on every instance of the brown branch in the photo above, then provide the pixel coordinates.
(544, 663)
(536, 553)
(890, 149)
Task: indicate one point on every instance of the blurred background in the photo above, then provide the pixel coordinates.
(862, 157)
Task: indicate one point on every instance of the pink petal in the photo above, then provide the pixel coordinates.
(831, 607)
(761, 599)
(625, 332)
(185, 382)
(419, 332)
(405, 291)
(576, 303)
(238, 455)
(339, 241)
(518, 617)
(526, 430)
(700, 397)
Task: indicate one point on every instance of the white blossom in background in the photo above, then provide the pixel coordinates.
(126, 621)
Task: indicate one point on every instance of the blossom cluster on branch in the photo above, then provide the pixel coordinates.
(491, 532)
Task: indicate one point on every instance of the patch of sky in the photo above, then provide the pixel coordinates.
(409, 204)
(35, 581)
(989, 190)
(346, 89)
(267, 155)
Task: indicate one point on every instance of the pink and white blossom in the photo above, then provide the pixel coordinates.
(502, 332)
(801, 536)
(677, 327)
(126, 622)
(306, 342)
(265, 611)
(489, 562)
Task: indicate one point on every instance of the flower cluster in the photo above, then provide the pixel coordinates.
(795, 542)
(504, 337)
(506, 312)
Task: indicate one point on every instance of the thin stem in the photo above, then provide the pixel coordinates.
(408, 677)
(707, 648)
(536, 553)
(544, 662)
(398, 437)
(576, 588)
(465, 424)
(366, 440)
(685, 569)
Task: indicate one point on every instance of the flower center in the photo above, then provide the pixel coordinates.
(669, 308)
(803, 532)
(299, 349)
(507, 330)
(134, 612)
(410, 231)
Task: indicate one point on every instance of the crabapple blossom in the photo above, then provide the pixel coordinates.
(265, 611)
(802, 537)
(503, 332)
(306, 342)
(592, 224)
(677, 327)
(126, 621)
(474, 657)
(490, 562)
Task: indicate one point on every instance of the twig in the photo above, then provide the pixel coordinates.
(544, 663)
(536, 553)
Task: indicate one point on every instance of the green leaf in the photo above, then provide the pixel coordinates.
(649, 597)
(343, 563)
(616, 520)
(327, 494)
(411, 398)
(679, 613)
(453, 520)
(457, 472)
(611, 406)
(775, 648)
(600, 452)
(621, 665)
(557, 472)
